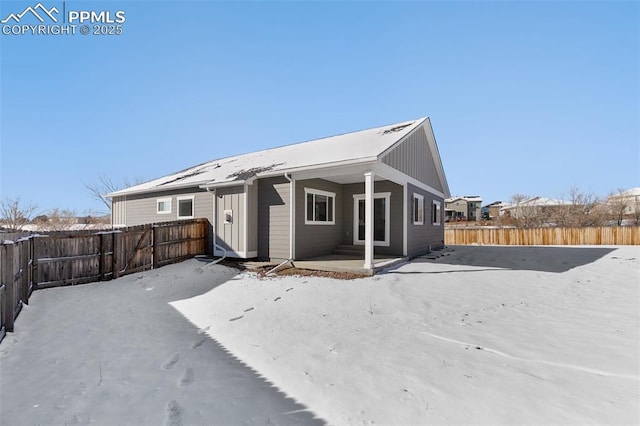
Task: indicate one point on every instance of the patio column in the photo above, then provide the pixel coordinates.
(368, 220)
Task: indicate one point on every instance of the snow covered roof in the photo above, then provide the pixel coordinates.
(348, 148)
(633, 192)
(467, 198)
(538, 202)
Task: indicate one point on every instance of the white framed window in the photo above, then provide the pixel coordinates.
(381, 218)
(163, 205)
(418, 209)
(228, 217)
(320, 207)
(185, 207)
(435, 213)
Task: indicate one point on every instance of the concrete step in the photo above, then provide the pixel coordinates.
(349, 250)
(349, 247)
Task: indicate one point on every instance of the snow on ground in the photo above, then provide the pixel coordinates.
(481, 335)
(552, 338)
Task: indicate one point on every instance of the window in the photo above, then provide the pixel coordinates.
(163, 205)
(435, 213)
(228, 217)
(185, 207)
(320, 207)
(418, 209)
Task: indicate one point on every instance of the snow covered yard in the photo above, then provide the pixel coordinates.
(481, 335)
(508, 335)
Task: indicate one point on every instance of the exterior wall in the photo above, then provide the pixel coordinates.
(396, 242)
(317, 240)
(273, 218)
(413, 157)
(421, 237)
(231, 236)
(119, 211)
(252, 220)
(459, 207)
(142, 208)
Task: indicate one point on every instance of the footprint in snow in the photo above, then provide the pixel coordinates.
(173, 414)
(277, 298)
(236, 318)
(289, 289)
(249, 309)
(187, 377)
(169, 363)
(199, 343)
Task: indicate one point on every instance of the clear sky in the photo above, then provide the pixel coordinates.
(524, 97)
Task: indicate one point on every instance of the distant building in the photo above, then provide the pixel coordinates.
(494, 210)
(466, 208)
(628, 200)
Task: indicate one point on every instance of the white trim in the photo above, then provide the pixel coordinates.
(439, 204)
(193, 206)
(327, 194)
(239, 254)
(420, 199)
(405, 220)
(245, 225)
(387, 222)
(163, 200)
(398, 177)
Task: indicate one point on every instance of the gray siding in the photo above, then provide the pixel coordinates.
(142, 208)
(316, 240)
(273, 218)
(230, 235)
(421, 237)
(414, 158)
(252, 218)
(119, 211)
(396, 243)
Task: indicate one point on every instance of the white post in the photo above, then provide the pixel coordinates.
(368, 220)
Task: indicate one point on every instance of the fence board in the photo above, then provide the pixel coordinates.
(611, 235)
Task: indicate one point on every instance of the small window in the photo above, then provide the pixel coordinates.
(163, 205)
(418, 209)
(185, 207)
(319, 207)
(435, 209)
(228, 217)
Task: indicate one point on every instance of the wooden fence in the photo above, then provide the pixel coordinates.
(610, 235)
(68, 258)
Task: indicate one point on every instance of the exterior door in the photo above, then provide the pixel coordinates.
(380, 219)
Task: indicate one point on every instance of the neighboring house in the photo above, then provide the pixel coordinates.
(463, 208)
(537, 210)
(382, 187)
(493, 211)
(625, 202)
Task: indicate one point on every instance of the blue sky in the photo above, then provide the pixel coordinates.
(524, 97)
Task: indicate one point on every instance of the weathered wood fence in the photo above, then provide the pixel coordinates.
(606, 235)
(68, 258)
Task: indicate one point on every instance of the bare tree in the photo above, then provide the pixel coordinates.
(61, 219)
(619, 205)
(524, 211)
(105, 185)
(581, 209)
(15, 214)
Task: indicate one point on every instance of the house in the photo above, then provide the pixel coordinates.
(537, 211)
(463, 208)
(625, 202)
(381, 188)
(493, 210)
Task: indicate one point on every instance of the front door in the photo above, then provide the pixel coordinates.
(380, 219)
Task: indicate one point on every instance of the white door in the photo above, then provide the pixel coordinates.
(381, 211)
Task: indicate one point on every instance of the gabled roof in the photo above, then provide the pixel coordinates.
(538, 202)
(349, 148)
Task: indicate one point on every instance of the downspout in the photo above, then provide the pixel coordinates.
(215, 245)
(291, 226)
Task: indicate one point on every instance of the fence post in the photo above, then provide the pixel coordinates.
(116, 254)
(103, 256)
(154, 249)
(24, 269)
(9, 308)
